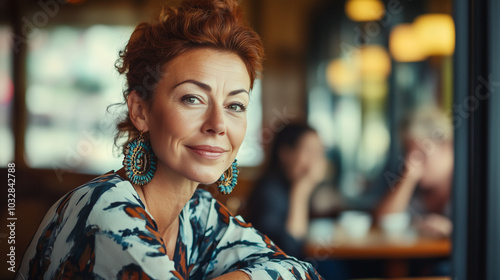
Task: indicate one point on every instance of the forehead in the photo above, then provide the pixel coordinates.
(207, 63)
(310, 138)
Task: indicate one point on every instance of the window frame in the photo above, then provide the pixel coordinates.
(476, 190)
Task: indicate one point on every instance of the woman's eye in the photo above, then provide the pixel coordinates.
(238, 107)
(191, 99)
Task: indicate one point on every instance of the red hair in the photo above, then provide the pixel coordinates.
(215, 24)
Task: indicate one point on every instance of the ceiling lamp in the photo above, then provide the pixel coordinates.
(436, 33)
(405, 45)
(374, 62)
(342, 76)
(364, 10)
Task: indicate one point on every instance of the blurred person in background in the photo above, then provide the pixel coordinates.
(184, 126)
(423, 187)
(279, 205)
(280, 202)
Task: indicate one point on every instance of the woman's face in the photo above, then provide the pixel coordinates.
(197, 119)
(301, 160)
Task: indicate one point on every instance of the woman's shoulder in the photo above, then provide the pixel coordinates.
(107, 203)
(101, 183)
(104, 211)
(109, 186)
(95, 198)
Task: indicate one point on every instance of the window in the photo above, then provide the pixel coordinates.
(251, 152)
(71, 82)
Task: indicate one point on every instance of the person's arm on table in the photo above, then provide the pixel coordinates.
(435, 226)
(399, 196)
(297, 221)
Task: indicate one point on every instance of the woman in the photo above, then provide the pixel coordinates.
(424, 188)
(189, 75)
(279, 205)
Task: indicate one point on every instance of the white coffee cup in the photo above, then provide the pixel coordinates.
(395, 224)
(355, 224)
(321, 230)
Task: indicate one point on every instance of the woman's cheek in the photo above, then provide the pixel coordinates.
(238, 128)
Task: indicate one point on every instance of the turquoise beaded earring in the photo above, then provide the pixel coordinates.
(139, 161)
(228, 179)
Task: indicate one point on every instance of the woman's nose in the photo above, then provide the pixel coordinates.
(214, 122)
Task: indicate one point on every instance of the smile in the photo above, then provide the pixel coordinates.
(208, 152)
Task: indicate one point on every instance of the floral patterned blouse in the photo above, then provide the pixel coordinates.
(102, 230)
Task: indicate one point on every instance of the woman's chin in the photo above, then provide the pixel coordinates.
(206, 180)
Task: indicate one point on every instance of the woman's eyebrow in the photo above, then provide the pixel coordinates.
(234, 92)
(206, 87)
(203, 86)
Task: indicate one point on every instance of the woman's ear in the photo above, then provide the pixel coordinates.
(138, 111)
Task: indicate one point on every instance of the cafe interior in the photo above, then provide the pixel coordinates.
(387, 84)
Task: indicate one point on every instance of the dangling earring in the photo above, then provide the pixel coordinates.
(139, 161)
(228, 179)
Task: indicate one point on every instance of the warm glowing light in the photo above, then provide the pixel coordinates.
(364, 10)
(405, 45)
(436, 33)
(348, 76)
(374, 62)
(430, 34)
(342, 76)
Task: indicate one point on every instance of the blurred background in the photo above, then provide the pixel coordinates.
(352, 69)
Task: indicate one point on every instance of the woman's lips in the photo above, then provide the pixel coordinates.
(209, 152)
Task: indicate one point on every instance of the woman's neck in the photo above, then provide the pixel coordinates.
(164, 197)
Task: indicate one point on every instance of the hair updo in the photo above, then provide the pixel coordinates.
(214, 24)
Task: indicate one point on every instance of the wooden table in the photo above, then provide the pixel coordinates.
(377, 246)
